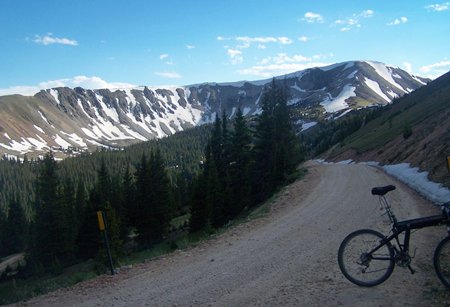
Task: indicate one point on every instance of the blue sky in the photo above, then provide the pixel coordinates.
(97, 43)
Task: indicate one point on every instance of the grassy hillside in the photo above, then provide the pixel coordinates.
(414, 129)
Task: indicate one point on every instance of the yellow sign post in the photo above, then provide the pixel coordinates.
(101, 216)
(101, 222)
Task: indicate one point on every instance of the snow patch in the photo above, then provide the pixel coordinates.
(111, 112)
(435, 192)
(306, 126)
(296, 87)
(344, 113)
(246, 111)
(385, 73)
(39, 145)
(374, 86)
(22, 147)
(349, 64)
(39, 129)
(338, 103)
(333, 66)
(55, 95)
(61, 142)
(418, 80)
(134, 133)
(43, 117)
(293, 101)
(76, 139)
(89, 133)
(352, 75)
(411, 176)
(392, 94)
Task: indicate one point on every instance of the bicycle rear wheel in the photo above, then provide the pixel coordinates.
(441, 261)
(359, 264)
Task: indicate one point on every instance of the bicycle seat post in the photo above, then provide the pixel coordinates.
(388, 210)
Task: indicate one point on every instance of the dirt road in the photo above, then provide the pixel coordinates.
(286, 258)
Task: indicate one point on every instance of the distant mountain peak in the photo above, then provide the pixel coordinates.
(73, 120)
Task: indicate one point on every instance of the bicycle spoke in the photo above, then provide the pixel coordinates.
(360, 264)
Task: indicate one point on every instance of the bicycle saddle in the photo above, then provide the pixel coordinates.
(382, 190)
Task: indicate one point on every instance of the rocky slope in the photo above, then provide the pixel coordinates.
(427, 145)
(73, 120)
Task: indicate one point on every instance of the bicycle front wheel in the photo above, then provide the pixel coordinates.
(364, 260)
(441, 261)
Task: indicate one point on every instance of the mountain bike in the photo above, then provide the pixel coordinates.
(367, 258)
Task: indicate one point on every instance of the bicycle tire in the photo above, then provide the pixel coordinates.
(441, 261)
(360, 268)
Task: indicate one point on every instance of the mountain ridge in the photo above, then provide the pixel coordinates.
(413, 130)
(64, 119)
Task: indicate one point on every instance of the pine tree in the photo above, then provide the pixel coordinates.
(153, 200)
(199, 208)
(50, 233)
(216, 146)
(239, 167)
(162, 208)
(214, 194)
(67, 213)
(128, 202)
(141, 211)
(88, 240)
(277, 150)
(264, 150)
(15, 230)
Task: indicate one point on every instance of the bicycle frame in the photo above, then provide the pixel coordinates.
(367, 258)
(405, 226)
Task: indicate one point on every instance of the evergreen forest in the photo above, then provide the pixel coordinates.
(203, 178)
(195, 181)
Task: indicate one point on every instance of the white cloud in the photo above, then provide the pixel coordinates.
(163, 56)
(304, 38)
(264, 40)
(221, 38)
(398, 21)
(261, 46)
(311, 17)
(247, 39)
(168, 74)
(282, 58)
(354, 21)
(408, 67)
(435, 70)
(366, 13)
(283, 63)
(271, 70)
(190, 46)
(284, 40)
(438, 7)
(235, 56)
(77, 81)
(49, 39)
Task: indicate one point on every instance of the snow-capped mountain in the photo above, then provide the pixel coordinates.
(81, 119)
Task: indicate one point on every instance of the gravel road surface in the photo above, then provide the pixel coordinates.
(288, 257)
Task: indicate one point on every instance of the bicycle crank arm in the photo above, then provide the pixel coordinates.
(411, 269)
